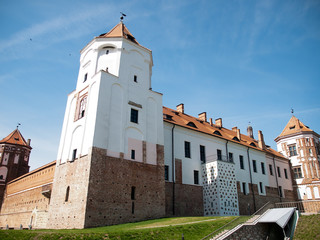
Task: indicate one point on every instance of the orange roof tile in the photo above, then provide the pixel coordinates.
(15, 138)
(120, 30)
(294, 126)
(183, 120)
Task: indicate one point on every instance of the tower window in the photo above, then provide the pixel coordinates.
(241, 162)
(292, 150)
(132, 207)
(187, 153)
(133, 154)
(133, 193)
(297, 172)
(85, 77)
(82, 108)
(74, 154)
(196, 176)
(135, 78)
(67, 194)
(166, 172)
(134, 115)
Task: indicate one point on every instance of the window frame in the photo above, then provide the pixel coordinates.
(202, 154)
(263, 170)
(187, 149)
(241, 161)
(196, 177)
(270, 170)
(254, 166)
(134, 116)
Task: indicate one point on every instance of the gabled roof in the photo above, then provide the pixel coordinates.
(120, 31)
(15, 138)
(184, 120)
(294, 126)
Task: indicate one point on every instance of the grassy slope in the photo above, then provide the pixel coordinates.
(165, 228)
(308, 227)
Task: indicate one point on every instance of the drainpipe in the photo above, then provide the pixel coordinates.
(253, 197)
(227, 153)
(173, 169)
(276, 174)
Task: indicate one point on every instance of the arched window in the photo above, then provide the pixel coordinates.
(82, 108)
(67, 194)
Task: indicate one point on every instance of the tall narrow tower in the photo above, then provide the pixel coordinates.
(14, 158)
(110, 166)
(301, 145)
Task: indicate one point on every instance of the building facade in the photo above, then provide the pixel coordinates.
(301, 145)
(123, 157)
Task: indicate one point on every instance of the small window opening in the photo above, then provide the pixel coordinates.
(261, 187)
(166, 172)
(244, 190)
(67, 194)
(74, 154)
(107, 52)
(133, 154)
(85, 77)
(132, 208)
(196, 176)
(135, 78)
(219, 154)
(280, 192)
(1, 177)
(133, 193)
(134, 115)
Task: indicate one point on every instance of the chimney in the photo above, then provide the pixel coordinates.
(211, 123)
(29, 141)
(219, 122)
(235, 129)
(202, 116)
(180, 108)
(250, 131)
(238, 134)
(261, 140)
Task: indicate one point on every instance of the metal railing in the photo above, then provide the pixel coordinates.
(305, 206)
(216, 157)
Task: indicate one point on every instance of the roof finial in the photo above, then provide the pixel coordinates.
(292, 111)
(18, 125)
(122, 16)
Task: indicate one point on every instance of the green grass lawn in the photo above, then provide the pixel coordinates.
(308, 227)
(166, 228)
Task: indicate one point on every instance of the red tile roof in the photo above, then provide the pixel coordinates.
(195, 124)
(15, 138)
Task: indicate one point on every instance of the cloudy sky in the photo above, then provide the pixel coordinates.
(243, 61)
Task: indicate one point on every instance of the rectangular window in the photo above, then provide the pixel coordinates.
(280, 191)
(285, 173)
(270, 169)
(85, 77)
(133, 154)
(261, 187)
(244, 189)
(241, 162)
(132, 207)
(135, 78)
(254, 165)
(292, 150)
(166, 172)
(133, 193)
(230, 157)
(262, 168)
(202, 154)
(134, 115)
(278, 170)
(187, 153)
(297, 172)
(74, 154)
(196, 176)
(219, 154)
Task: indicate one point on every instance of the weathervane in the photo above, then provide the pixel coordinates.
(122, 16)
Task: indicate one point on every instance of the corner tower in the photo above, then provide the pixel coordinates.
(301, 145)
(110, 166)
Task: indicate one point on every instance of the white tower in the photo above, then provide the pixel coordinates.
(111, 146)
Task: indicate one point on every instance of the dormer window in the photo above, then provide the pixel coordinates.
(168, 117)
(85, 77)
(217, 133)
(292, 127)
(252, 144)
(191, 124)
(236, 139)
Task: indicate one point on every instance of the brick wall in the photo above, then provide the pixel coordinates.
(188, 200)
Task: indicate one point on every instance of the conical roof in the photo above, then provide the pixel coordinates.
(294, 126)
(15, 138)
(120, 30)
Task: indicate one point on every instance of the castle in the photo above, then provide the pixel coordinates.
(123, 157)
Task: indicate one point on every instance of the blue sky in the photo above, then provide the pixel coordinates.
(243, 61)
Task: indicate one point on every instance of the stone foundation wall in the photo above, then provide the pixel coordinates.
(246, 203)
(251, 232)
(122, 191)
(188, 200)
(67, 207)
